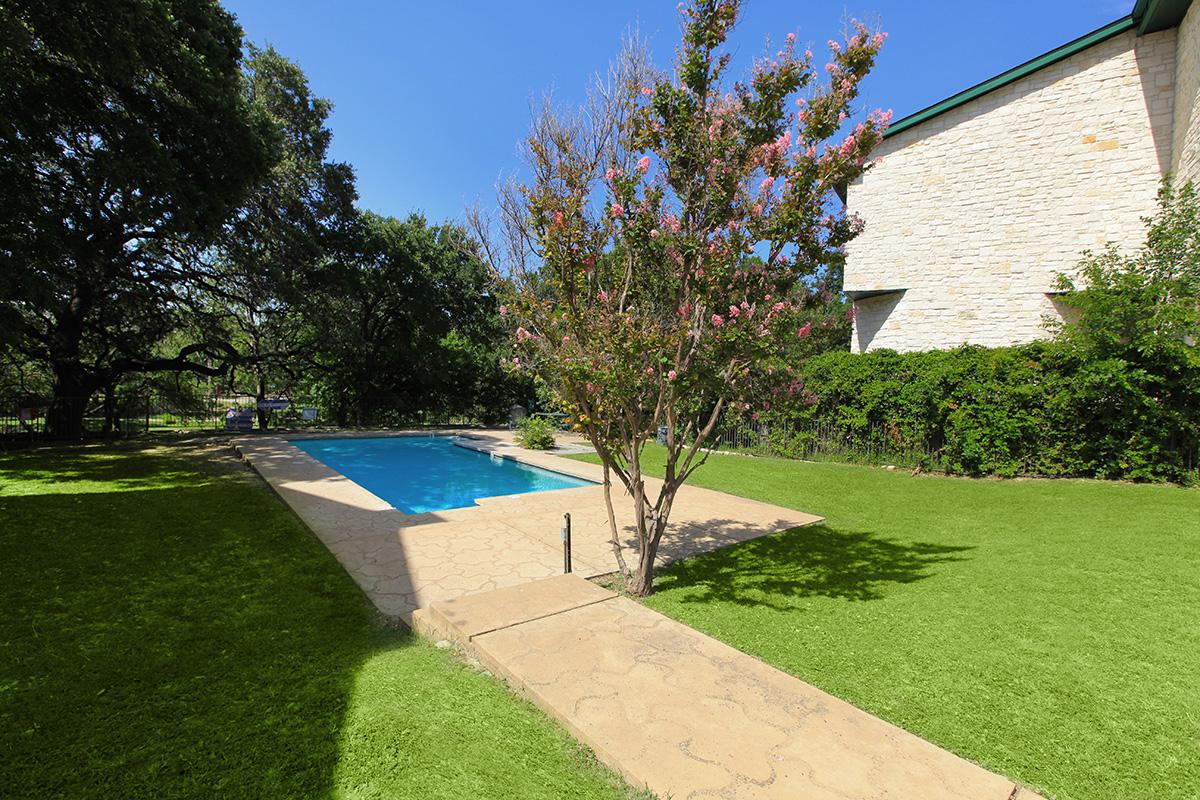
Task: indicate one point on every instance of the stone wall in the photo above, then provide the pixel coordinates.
(1186, 146)
(973, 212)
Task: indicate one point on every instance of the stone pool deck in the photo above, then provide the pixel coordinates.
(408, 561)
(671, 709)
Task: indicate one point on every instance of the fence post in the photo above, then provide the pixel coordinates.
(147, 414)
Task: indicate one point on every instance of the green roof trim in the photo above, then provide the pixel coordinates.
(1158, 15)
(1016, 73)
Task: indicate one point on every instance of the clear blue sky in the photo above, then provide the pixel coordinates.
(431, 98)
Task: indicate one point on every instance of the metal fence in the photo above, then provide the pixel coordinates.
(876, 444)
(127, 415)
(28, 419)
(879, 444)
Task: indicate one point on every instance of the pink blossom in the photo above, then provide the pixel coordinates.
(672, 375)
(558, 218)
(734, 311)
(603, 296)
(778, 307)
(609, 174)
(592, 388)
(523, 335)
(654, 233)
(503, 311)
(566, 340)
(617, 211)
(643, 164)
(647, 91)
(834, 46)
(650, 371)
(805, 330)
(766, 184)
(754, 416)
(717, 320)
(791, 37)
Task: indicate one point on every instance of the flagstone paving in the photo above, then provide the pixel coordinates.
(690, 717)
(407, 561)
(670, 708)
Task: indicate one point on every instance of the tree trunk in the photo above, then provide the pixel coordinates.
(642, 582)
(110, 410)
(260, 395)
(72, 390)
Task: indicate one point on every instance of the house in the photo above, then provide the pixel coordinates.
(979, 201)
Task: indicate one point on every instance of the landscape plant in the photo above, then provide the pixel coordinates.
(536, 433)
(1115, 393)
(674, 237)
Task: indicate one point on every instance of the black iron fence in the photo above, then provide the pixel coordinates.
(43, 418)
(880, 444)
(127, 415)
(875, 444)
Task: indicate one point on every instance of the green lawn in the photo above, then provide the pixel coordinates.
(169, 630)
(1049, 630)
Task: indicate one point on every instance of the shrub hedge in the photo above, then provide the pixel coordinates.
(1036, 409)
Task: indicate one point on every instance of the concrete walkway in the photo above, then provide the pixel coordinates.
(687, 716)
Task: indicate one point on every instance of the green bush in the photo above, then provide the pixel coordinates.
(1036, 409)
(536, 433)
(1116, 394)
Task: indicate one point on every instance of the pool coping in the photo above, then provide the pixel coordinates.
(475, 444)
(404, 562)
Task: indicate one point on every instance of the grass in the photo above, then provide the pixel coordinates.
(1049, 630)
(170, 631)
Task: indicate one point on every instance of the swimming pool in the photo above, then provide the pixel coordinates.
(416, 474)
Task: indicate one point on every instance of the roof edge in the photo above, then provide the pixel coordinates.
(1016, 73)
(1158, 15)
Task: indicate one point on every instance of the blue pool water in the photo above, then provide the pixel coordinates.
(416, 474)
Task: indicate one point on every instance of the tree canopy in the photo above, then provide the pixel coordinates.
(171, 208)
(125, 142)
(676, 237)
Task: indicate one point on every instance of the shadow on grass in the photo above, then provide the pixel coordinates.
(186, 641)
(108, 467)
(813, 561)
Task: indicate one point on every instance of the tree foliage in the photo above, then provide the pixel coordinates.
(1141, 308)
(672, 241)
(412, 328)
(276, 257)
(172, 221)
(125, 141)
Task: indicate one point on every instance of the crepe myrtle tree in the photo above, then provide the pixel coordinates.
(669, 248)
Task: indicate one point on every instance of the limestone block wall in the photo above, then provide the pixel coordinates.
(1186, 145)
(973, 212)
